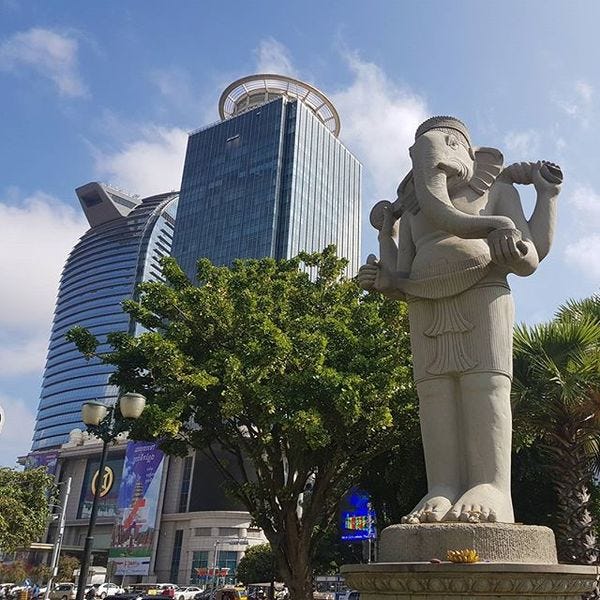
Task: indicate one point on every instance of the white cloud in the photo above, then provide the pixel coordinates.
(585, 91)
(15, 438)
(172, 83)
(577, 104)
(23, 355)
(274, 57)
(524, 145)
(49, 54)
(37, 236)
(149, 165)
(584, 251)
(586, 202)
(585, 255)
(379, 120)
(183, 99)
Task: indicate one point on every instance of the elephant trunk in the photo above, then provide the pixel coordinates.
(430, 172)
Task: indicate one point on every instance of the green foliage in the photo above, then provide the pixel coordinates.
(284, 367)
(17, 571)
(24, 506)
(40, 573)
(576, 310)
(256, 565)
(332, 552)
(84, 340)
(13, 572)
(556, 392)
(533, 492)
(396, 479)
(67, 564)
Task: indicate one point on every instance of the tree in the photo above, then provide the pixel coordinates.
(67, 565)
(256, 565)
(396, 480)
(557, 406)
(287, 376)
(13, 572)
(40, 573)
(25, 497)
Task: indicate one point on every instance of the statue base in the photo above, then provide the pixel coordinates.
(494, 542)
(479, 581)
(517, 562)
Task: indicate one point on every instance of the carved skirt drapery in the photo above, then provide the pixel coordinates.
(470, 332)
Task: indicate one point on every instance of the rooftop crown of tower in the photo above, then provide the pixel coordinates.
(252, 91)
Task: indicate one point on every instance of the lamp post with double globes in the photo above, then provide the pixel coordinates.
(106, 423)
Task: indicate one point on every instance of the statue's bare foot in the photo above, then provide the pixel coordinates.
(484, 503)
(432, 508)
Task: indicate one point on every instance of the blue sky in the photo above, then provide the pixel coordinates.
(108, 91)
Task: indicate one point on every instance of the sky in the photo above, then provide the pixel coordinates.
(108, 91)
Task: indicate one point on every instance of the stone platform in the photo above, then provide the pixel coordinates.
(517, 562)
(480, 581)
(494, 542)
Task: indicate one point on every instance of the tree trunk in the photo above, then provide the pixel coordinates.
(575, 526)
(294, 560)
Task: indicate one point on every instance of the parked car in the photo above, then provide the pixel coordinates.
(156, 589)
(188, 593)
(5, 588)
(130, 596)
(13, 590)
(63, 591)
(106, 589)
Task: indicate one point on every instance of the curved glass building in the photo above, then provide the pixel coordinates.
(127, 237)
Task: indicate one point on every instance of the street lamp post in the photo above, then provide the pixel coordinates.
(215, 582)
(105, 423)
(59, 538)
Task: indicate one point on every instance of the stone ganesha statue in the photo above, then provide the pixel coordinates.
(447, 244)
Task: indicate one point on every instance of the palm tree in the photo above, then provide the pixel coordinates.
(557, 403)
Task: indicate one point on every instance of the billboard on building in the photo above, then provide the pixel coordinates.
(109, 488)
(357, 518)
(133, 536)
(43, 459)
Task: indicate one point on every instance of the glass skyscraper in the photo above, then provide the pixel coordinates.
(126, 239)
(270, 179)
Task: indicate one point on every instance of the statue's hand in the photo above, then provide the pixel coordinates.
(546, 177)
(373, 276)
(507, 248)
(390, 224)
(382, 218)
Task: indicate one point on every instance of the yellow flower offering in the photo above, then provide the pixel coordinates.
(468, 555)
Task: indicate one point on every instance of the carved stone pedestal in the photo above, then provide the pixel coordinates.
(480, 581)
(517, 562)
(494, 542)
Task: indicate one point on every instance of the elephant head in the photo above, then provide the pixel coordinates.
(443, 161)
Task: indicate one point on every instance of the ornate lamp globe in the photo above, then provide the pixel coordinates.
(93, 412)
(132, 405)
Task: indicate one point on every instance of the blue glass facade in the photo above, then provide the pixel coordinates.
(127, 238)
(271, 181)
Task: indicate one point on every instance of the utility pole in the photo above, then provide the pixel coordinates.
(59, 538)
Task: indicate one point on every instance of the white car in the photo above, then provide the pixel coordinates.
(107, 589)
(188, 593)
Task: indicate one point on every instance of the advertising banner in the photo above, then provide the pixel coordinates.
(357, 518)
(109, 488)
(43, 459)
(139, 492)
